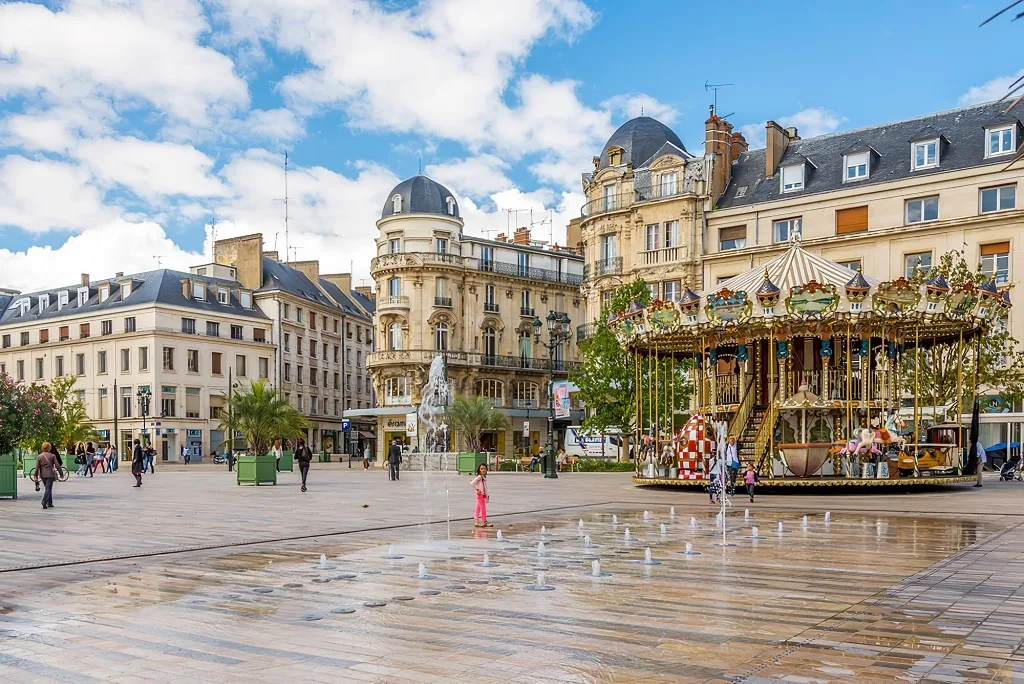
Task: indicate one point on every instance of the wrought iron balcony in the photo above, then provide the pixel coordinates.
(490, 307)
(520, 271)
(664, 190)
(443, 301)
(526, 311)
(606, 204)
(611, 266)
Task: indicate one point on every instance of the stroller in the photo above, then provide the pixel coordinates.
(1011, 470)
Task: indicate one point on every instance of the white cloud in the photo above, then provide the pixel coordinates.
(473, 176)
(990, 90)
(43, 195)
(631, 105)
(272, 124)
(126, 49)
(808, 122)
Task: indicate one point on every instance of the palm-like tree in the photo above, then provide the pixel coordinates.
(262, 414)
(472, 416)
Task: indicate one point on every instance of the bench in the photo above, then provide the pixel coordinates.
(524, 462)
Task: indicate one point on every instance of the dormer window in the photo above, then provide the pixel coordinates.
(104, 293)
(1000, 141)
(614, 156)
(925, 154)
(792, 178)
(857, 166)
(450, 206)
(83, 296)
(126, 290)
(62, 299)
(222, 296)
(246, 299)
(26, 306)
(44, 302)
(199, 292)
(396, 204)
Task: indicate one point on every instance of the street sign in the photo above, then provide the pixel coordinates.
(526, 426)
(346, 424)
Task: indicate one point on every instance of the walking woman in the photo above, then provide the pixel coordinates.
(95, 457)
(47, 467)
(303, 455)
(277, 451)
(138, 463)
(82, 459)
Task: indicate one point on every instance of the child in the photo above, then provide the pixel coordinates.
(480, 485)
(751, 479)
(714, 489)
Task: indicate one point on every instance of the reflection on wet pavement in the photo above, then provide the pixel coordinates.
(859, 598)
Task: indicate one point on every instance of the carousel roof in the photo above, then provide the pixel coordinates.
(858, 283)
(794, 267)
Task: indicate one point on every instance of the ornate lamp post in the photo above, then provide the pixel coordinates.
(143, 394)
(558, 332)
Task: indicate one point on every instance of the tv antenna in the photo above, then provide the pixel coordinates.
(285, 200)
(708, 85)
(213, 238)
(159, 259)
(295, 252)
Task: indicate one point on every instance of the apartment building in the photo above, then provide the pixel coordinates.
(172, 336)
(473, 300)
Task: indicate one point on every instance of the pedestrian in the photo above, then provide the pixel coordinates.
(303, 455)
(982, 456)
(732, 461)
(138, 463)
(367, 455)
(394, 461)
(111, 455)
(751, 479)
(82, 461)
(714, 489)
(482, 497)
(47, 469)
(186, 455)
(278, 452)
(95, 458)
(149, 456)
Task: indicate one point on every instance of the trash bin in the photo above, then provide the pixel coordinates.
(9, 475)
(468, 462)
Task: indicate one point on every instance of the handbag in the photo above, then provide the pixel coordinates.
(80, 459)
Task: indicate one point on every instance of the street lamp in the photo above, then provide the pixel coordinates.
(558, 332)
(143, 395)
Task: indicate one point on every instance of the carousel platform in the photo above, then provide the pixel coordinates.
(833, 482)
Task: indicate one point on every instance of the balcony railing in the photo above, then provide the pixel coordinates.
(526, 311)
(610, 266)
(584, 331)
(660, 256)
(530, 273)
(608, 203)
(426, 356)
(490, 307)
(624, 200)
(393, 302)
(443, 301)
(651, 193)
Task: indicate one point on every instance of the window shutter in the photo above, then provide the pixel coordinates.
(995, 248)
(853, 220)
(733, 233)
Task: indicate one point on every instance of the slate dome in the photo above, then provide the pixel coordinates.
(639, 139)
(420, 195)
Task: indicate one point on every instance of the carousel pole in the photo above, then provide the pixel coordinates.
(960, 383)
(849, 382)
(638, 409)
(917, 385)
(657, 396)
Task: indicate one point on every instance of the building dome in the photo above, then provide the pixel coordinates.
(420, 195)
(639, 139)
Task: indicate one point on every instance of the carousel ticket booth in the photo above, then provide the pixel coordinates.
(807, 364)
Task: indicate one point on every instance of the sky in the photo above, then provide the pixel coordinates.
(129, 127)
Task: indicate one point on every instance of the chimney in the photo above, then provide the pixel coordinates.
(777, 139)
(367, 292)
(85, 280)
(272, 255)
(119, 274)
(718, 139)
(501, 238)
(245, 255)
(737, 146)
(521, 236)
(342, 280)
(310, 269)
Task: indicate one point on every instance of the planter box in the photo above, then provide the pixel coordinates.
(468, 462)
(29, 461)
(256, 470)
(288, 461)
(9, 475)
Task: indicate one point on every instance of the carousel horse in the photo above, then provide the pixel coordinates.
(890, 434)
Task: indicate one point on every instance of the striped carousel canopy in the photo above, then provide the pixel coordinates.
(794, 267)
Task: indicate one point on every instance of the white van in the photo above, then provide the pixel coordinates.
(604, 446)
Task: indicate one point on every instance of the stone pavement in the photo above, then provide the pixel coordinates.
(207, 581)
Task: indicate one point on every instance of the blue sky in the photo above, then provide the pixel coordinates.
(125, 125)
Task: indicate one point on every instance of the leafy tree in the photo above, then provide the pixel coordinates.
(12, 413)
(999, 357)
(472, 416)
(606, 378)
(41, 421)
(262, 414)
(72, 421)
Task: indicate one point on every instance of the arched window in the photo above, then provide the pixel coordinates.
(450, 204)
(441, 337)
(396, 391)
(525, 348)
(395, 336)
(525, 395)
(490, 344)
(494, 390)
(396, 204)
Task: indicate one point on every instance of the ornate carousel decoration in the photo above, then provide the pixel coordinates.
(812, 374)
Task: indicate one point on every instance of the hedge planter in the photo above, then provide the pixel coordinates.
(256, 470)
(29, 462)
(288, 461)
(468, 462)
(9, 475)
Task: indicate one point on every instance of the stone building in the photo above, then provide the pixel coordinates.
(474, 300)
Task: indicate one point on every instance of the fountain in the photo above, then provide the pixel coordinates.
(626, 536)
(543, 530)
(487, 563)
(499, 537)
(803, 523)
(324, 565)
(746, 514)
(391, 553)
(647, 516)
(648, 560)
(672, 512)
(664, 530)
(540, 549)
(615, 519)
(436, 397)
(689, 550)
(541, 585)
(693, 522)
(828, 516)
(780, 527)
(579, 525)
(422, 574)
(586, 541)
(755, 533)
(595, 569)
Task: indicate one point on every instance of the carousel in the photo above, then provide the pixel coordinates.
(805, 362)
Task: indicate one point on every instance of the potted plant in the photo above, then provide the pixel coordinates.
(260, 414)
(470, 417)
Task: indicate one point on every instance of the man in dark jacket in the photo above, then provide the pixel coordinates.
(394, 460)
(303, 455)
(138, 463)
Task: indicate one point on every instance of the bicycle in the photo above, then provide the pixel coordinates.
(62, 475)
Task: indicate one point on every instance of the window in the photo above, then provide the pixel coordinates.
(671, 290)
(652, 288)
(59, 368)
(129, 324)
(126, 290)
(6, 342)
(785, 229)
(667, 184)
(102, 396)
(193, 360)
(312, 405)
(168, 358)
(490, 343)
(524, 304)
(792, 178)
(449, 204)
(24, 339)
(312, 349)
(287, 311)
(441, 337)
(264, 367)
(259, 335)
(852, 220)
(394, 287)
(336, 406)
(44, 336)
(126, 360)
(62, 299)
(917, 261)
(312, 321)
(287, 372)
(83, 296)
(236, 332)
(323, 324)
(852, 264)
(299, 346)
(299, 375)
(198, 291)
(396, 204)
(442, 245)
(395, 246)
(348, 356)
(44, 302)
(734, 237)
(926, 154)
(240, 369)
(525, 395)
(79, 364)
(671, 233)
(1000, 141)
(609, 247)
(298, 402)
(856, 166)
(287, 342)
(39, 369)
(998, 199)
(143, 358)
(247, 300)
(609, 197)
(188, 326)
(335, 354)
(126, 402)
(995, 261)
(222, 296)
(651, 242)
(65, 333)
(192, 396)
(396, 391)
(337, 381)
(168, 401)
(21, 370)
(101, 362)
(924, 209)
(489, 304)
(523, 263)
(441, 292)
(106, 327)
(494, 390)
(212, 329)
(395, 336)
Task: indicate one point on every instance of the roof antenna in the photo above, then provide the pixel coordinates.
(159, 258)
(213, 238)
(708, 85)
(286, 203)
(641, 106)
(419, 164)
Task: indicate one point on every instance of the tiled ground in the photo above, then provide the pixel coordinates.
(877, 594)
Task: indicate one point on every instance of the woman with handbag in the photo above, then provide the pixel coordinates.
(138, 463)
(47, 469)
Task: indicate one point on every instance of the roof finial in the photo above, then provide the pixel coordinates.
(419, 165)
(795, 238)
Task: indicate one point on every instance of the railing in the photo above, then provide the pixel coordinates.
(490, 307)
(727, 387)
(607, 203)
(837, 389)
(610, 266)
(526, 311)
(443, 301)
(651, 193)
(426, 356)
(528, 272)
(393, 301)
(743, 412)
(403, 400)
(765, 432)
(585, 331)
(810, 379)
(414, 259)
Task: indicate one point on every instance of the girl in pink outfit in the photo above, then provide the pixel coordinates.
(480, 485)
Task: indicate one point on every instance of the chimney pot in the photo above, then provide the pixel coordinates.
(85, 280)
(791, 133)
(119, 274)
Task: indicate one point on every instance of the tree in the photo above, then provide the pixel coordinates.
(472, 416)
(606, 375)
(262, 414)
(72, 420)
(12, 413)
(999, 358)
(41, 421)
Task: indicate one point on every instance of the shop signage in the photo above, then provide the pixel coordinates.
(411, 424)
(195, 433)
(394, 424)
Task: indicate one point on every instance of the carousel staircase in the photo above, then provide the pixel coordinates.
(748, 434)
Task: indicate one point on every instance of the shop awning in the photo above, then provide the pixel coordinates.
(366, 434)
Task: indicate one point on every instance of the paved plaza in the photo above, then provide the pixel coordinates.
(192, 578)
